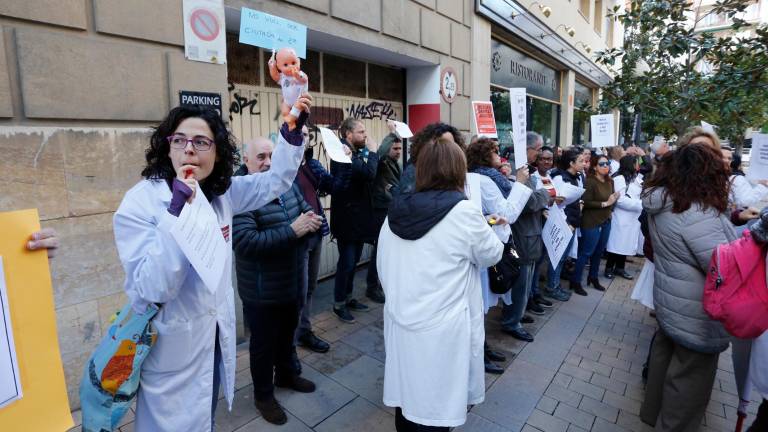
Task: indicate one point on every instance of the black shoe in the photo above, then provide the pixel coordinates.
(623, 273)
(357, 306)
(518, 333)
(577, 289)
(295, 363)
(495, 356)
(541, 301)
(534, 308)
(310, 341)
(595, 282)
(376, 295)
(343, 314)
(527, 319)
(609, 272)
(296, 383)
(271, 411)
(493, 368)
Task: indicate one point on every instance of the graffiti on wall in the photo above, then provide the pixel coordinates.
(240, 103)
(373, 110)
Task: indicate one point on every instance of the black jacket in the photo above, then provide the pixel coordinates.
(352, 215)
(269, 258)
(387, 174)
(572, 210)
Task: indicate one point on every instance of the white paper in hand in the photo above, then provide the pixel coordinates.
(568, 191)
(10, 381)
(556, 234)
(707, 127)
(333, 146)
(402, 130)
(198, 235)
(758, 158)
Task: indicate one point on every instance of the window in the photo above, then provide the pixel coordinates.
(584, 8)
(609, 24)
(598, 16)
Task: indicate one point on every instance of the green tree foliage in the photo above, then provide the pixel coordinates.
(661, 75)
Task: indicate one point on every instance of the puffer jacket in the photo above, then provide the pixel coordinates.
(526, 231)
(269, 258)
(682, 248)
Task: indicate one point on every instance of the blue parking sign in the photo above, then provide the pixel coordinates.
(272, 32)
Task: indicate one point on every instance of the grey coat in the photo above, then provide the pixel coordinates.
(682, 246)
(526, 231)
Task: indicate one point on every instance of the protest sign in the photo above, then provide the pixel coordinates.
(603, 134)
(556, 234)
(44, 405)
(485, 122)
(204, 32)
(272, 32)
(758, 158)
(333, 146)
(517, 105)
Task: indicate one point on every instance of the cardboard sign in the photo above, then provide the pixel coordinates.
(272, 32)
(208, 100)
(603, 134)
(10, 382)
(758, 158)
(517, 105)
(484, 119)
(204, 32)
(44, 405)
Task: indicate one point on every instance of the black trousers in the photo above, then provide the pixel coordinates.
(761, 421)
(402, 424)
(615, 261)
(271, 348)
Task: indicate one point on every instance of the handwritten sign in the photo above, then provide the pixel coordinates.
(204, 38)
(556, 234)
(758, 158)
(484, 119)
(602, 130)
(517, 105)
(272, 32)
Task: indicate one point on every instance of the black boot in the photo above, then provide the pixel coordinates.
(271, 411)
(595, 282)
(609, 271)
(576, 288)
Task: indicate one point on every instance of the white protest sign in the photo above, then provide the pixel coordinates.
(568, 191)
(204, 32)
(402, 130)
(758, 158)
(10, 384)
(556, 234)
(517, 105)
(333, 146)
(198, 234)
(602, 130)
(707, 127)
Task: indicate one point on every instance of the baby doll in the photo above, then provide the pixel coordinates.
(285, 69)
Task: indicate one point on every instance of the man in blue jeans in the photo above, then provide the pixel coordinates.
(353, 221)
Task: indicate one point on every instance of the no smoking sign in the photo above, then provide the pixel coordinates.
(204, 31)
(204, 24)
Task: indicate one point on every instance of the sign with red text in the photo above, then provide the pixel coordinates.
(485, 122)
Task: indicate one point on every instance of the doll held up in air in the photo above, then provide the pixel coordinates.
(285, 69)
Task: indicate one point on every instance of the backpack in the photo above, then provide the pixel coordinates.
(735, 292)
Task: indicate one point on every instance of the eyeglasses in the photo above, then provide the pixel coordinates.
(199, 142)
(603, 164)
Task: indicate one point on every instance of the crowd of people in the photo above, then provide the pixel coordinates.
(440, 229)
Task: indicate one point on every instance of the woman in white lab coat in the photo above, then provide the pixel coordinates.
(431, 249)
(191, 156)
(625, 225)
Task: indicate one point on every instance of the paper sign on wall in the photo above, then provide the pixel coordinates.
(484, 119)
(556, 234)
(333, 146)
(44, 405)
(517, 105)
(758, 158)
(603, 134)
(272, 32)
(204, 31)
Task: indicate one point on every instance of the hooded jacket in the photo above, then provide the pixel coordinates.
(387, 174)
(682, 248)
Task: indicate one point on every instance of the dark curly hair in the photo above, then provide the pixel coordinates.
(159, 165)
(430, 133)
(480, 153)
(694, 173)
(568, 156)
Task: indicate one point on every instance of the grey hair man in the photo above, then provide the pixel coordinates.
(533, 143)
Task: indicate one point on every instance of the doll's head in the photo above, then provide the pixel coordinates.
(287, 62)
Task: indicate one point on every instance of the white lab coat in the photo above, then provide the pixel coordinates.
(492, 201)
(434, 362)
(625, 226)
(744, 194)
(614, 167)
(177, 376)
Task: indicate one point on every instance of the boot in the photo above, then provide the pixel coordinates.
(576, 288)
(595, 282)
(271, 411)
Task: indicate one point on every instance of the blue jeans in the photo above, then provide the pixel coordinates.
(553, 273)
(512, 314)
(349, 255)
(591, 247)
(309, 283)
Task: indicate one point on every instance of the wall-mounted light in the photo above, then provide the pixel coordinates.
(570, 31)
(587, 48)
(545, 10)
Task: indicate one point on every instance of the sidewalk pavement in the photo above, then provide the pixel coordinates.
(582, 373)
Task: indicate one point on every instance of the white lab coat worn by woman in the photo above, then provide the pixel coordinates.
(625, 225)
(745, 194)
(432, 288)
(177, 376)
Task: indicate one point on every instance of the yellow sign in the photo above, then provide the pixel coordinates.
(44, 405)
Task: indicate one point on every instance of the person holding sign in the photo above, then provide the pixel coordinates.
(191, 156)
(46, 239)
(742, 193)
(599, 197)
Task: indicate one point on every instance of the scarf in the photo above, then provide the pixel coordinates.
(505, 186)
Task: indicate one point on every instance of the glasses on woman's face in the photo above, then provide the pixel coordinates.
(603, 164)
(199, 142)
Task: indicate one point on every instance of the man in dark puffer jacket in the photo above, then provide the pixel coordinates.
(269, 247)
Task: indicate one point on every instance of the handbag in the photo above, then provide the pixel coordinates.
(504, 273)
(111, 377)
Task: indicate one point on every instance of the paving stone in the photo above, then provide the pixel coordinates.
(621, 402)
(599, 409)
(562, 394)
(586, 389)
(336, 358)
(576, 372)
(595, 367)
(546, 422)
(313, 408)
(575, 416)
(626, 377)
(243, 411)
(359, 415)
(616, 362)
(591, 354)
(547, 404)
(544, 355)
(364, 376)
(369, 340)
(475, 423)
(608, 384)
(529, 428)
(602, 425)
(261, 425)
(562, 379)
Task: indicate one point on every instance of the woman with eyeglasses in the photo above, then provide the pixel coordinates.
(191, 156)
(598, 198)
